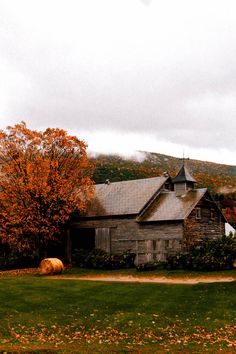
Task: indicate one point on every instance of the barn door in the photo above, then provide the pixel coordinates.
(103, 239)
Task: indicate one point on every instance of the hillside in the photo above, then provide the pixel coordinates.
(217, 177)
(220, 179)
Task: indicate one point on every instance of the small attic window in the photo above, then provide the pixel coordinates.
(198, 213)
(167, 186)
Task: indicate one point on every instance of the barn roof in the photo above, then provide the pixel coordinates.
(170, 207)
(146, 199)
(124, 198)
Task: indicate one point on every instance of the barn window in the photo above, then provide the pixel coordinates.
(212, 216)
(198, 213)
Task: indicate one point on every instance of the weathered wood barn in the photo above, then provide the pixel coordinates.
(152, 217)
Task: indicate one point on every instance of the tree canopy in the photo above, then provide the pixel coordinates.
(44, 178)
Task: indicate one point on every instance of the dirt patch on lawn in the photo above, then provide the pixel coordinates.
(149, 279)
(122, 278)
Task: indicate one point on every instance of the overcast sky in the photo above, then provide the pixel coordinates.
(124, 75)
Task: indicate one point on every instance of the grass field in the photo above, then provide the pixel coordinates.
(71, 316)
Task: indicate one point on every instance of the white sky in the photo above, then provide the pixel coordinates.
(124, 75)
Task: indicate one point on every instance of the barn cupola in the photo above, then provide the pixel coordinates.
(183, 182)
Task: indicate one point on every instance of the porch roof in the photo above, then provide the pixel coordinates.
(168, 206)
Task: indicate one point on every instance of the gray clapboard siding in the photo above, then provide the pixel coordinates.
(148, 241)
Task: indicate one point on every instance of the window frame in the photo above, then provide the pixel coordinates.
(198, 213)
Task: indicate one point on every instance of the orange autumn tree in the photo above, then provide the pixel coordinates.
(44, 178)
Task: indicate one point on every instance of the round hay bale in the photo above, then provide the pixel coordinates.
(51, 266)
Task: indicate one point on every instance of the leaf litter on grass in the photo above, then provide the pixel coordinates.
(121, 333)
(102, 317)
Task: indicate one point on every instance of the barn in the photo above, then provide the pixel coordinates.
(153, 217)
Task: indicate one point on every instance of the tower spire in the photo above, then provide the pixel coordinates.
(184, 158)
(183, 181)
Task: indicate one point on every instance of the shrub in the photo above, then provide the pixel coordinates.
(207, 255)
(178, 261)
(13, 261)
(143, 267)
(100, 259)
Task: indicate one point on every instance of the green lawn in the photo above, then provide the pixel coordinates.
(72, 316)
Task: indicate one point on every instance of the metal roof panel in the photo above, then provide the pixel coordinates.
(168, 206)
(123, 198)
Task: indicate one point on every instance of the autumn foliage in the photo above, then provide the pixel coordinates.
(230, 214)
(45, 177)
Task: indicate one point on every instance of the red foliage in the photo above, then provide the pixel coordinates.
(230, 214)
(45, 177)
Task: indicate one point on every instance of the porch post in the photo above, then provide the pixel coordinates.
(68, 246)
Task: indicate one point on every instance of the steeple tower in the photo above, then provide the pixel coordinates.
(183, 182)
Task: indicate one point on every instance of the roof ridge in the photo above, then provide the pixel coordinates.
(132, 180)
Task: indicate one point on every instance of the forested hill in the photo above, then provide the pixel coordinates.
(218, 178)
